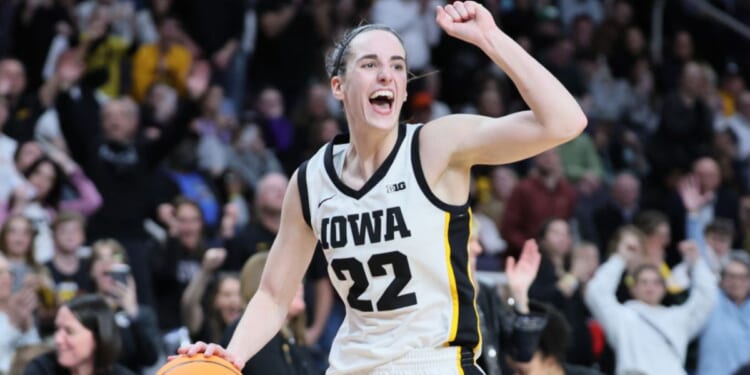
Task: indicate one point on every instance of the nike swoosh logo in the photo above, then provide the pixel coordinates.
(324, 200)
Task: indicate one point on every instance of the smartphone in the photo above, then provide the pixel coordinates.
(19, 273)
(119, 272)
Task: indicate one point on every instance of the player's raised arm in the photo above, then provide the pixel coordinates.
(266, 312)
(555, 116)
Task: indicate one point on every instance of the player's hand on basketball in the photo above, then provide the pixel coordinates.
(466, 20)
(208, 350)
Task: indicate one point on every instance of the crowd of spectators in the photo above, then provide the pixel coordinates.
(146, 147)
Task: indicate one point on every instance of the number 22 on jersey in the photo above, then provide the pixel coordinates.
(391, 299)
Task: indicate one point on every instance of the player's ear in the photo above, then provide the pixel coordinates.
(336, 87)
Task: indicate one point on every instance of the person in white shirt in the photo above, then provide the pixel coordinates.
(645, 335)
(8, 145)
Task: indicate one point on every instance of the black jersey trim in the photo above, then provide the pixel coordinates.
(303, 197)
(422, 181)
(374, 179)
(466, 334)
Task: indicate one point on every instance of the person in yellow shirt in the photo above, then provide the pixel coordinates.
(103, 51)
(166, 61)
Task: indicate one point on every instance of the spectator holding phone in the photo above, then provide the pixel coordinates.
(16, 316)
(136, 323)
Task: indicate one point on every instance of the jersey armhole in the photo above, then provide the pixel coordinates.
(422, 181)
(302, 187)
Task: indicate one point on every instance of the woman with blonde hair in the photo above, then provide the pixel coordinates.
(285, 354)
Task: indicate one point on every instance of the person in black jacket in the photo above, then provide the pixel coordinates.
(549, 356)
(286, 353)
(561, 281)
(121, 160)
(621, 208)
(87, 341)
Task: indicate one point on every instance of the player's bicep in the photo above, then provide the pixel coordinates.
(291, 251)
(474, 139)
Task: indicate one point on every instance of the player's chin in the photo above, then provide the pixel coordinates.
(383, 121)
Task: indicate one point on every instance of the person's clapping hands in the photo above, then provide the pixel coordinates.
(521, 274)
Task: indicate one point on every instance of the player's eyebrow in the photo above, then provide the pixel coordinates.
(374, 56)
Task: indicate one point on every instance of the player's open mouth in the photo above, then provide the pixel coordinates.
(382, 101)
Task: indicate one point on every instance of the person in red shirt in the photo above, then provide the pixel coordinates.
(543, 194)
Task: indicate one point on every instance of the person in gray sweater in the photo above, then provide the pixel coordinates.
(645, 335)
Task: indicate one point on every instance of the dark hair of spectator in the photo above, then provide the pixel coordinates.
(337, 58)
(649, 221)
(555, 337)
(216, 326)
(720, 226)
(545, 227)
(167, 17)
(94, 314)
(647, 267)
(184, 201)
(52, 199)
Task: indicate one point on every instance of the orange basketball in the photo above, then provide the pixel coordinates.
(198, 365)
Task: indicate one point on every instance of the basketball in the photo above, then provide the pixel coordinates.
(198, 364)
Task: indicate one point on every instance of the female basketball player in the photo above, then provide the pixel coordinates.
(388, 205)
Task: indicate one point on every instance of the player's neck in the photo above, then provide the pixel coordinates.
(367, 151)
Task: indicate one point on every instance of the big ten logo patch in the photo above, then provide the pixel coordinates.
(395, 187)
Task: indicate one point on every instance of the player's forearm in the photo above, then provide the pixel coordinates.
(323, 304)
(553, 106)
(261, 321)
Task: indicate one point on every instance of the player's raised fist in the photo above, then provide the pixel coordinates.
(466, 20)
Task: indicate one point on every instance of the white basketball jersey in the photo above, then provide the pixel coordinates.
(397, 256)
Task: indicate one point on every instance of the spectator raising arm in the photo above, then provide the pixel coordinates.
(600, 294)
(703, 294)
(88, 199)
(192, 308)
